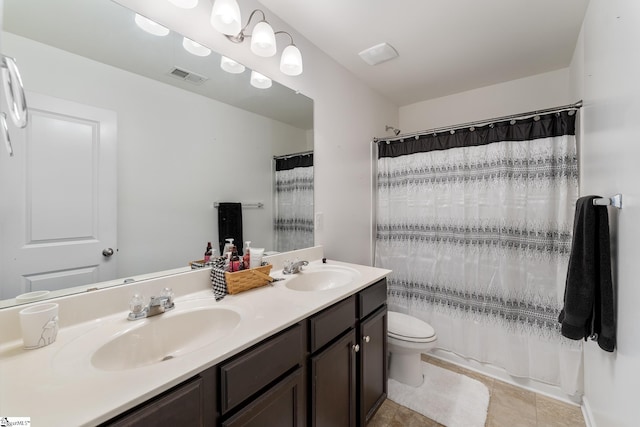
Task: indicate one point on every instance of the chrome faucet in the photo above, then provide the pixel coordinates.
(157, 305)
(293, 267)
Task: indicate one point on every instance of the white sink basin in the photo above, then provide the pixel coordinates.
(164, 337)
(322, 277)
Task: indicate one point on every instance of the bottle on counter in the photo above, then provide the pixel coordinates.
(235, 260)
(246, 258)
(208, 252)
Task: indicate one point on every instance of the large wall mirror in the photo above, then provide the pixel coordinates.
(154, 138)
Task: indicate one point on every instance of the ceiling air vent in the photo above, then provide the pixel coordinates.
(187, 76)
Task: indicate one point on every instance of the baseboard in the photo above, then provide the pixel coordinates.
(586, 413)
(500, 374)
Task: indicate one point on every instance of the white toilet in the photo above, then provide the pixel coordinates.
(408, 337)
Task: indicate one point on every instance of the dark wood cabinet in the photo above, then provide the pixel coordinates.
(372, 364)
(333, 384)
(348, 363)
(191, 404)
(282, 405)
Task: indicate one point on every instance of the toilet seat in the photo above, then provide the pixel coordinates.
(409, 329)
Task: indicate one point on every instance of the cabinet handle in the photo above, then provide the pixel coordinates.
(356, 348)
(367, 338)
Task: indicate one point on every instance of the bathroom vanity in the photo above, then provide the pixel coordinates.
(296, 356)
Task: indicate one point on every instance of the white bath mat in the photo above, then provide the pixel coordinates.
(447, 397)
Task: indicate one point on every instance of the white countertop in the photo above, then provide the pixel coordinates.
(57, 385)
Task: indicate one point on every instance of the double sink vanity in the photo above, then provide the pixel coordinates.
(307, 350)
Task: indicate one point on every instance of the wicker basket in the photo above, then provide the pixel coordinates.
(248, 279)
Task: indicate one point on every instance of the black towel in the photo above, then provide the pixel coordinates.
(588, 296)
(230, 224)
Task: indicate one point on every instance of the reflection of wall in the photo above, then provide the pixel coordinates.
(177, 153)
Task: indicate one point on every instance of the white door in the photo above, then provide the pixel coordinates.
(58, 198)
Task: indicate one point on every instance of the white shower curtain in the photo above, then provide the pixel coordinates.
(294, 203)
(476, 227)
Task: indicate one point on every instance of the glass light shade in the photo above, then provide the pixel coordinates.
(225, 17)
(150, 26)
(195, 48)
(260, 81)
(263, 40)
(184, 4)
(291, 61)
(231, 66)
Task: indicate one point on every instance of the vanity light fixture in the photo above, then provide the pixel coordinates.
(195, 48)
(150, 26)
(259, 81)
(231, 66)
(225, 17)
(184, 4)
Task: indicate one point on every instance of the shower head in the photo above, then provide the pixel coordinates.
(396, 132)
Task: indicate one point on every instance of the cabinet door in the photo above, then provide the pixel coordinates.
(181, 406)
(282, 405)
(333, 384)
(372, 364)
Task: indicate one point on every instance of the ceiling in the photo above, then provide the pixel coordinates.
(445, 46)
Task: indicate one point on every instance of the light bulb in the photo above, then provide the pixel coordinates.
(150, 26)
(291, 61)
(259, 81)
(195, 48)
(225, 17)
(231, 66)
(263, 40)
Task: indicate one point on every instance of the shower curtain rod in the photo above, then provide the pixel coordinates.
(415, 135)
(288, 156)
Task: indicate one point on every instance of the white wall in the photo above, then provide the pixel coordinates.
(347, 115)
(605, 69)
(537, 92)
(178, 152)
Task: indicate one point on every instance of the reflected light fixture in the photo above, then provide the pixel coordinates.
(231, 66)
(150, 26)
(225, 17)
(259, 81)
(184, 4)
(195, 48)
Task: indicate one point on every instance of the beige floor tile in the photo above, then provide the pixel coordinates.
(405, 417)
(384, 415)
(511, 406)
(553, 413)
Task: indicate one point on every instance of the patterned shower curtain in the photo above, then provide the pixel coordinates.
(476, 226)
(294, 202)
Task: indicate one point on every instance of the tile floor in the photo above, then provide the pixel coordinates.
(509, 406)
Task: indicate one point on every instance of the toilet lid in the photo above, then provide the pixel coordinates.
(409, 328)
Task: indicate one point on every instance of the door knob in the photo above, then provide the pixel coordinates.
(367, 338)
(356, 348)
(107, 252)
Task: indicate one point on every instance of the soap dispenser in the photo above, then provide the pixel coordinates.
(227, 246)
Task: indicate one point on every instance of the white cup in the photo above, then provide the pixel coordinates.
(255, 257)
(39, 324)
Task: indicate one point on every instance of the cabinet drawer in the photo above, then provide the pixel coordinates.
(371, 298)
(331, 322)
(253, 370)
